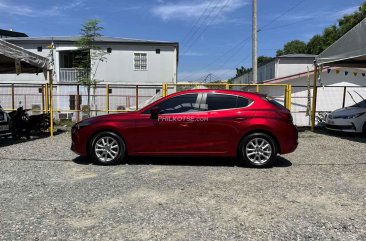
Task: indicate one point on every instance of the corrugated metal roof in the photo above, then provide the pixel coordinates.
(29, 62)
(298, 56)
(10, 33)
(100, 39)
(348, 51)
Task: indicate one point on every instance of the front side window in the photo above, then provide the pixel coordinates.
(140, 61)
(179, 104)
(222, 102)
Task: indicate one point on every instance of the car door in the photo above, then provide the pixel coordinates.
(173, 132)
(226, 120)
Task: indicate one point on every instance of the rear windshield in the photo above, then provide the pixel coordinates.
(273, 102)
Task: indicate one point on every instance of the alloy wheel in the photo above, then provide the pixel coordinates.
(106, 149)
(258, 151)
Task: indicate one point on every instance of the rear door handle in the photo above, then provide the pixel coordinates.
(239, 118)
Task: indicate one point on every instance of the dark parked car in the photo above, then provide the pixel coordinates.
(216, 123)
(5, 122)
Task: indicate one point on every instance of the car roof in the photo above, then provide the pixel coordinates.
(253, 96)
(219, 91)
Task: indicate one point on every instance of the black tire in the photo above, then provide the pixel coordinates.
(107, 148)
(257, 150)
(364, 129)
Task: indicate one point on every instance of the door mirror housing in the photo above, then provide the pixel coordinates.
(154, 113)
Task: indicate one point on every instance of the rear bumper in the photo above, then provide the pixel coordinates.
(289, 141)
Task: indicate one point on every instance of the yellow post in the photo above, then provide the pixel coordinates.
(165, 90)
(227, 86)
(315, 93)
(289, 90)
(51, 101)
(46, 95)
(107, 97)
(257, 88)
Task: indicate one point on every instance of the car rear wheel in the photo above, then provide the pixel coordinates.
(258, 150)
(107, 148)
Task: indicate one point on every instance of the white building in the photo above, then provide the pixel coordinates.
(127, 61)
(279, 67)
(336, 85)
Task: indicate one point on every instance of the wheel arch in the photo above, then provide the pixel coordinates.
(259, 130)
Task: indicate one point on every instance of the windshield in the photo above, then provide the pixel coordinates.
(361, 104)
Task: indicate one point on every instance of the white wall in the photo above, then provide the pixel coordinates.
(291, 66)
(119, 65)
(329, 98)
(280, 67)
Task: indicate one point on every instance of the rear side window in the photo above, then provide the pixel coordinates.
(222, 102)
(242, 102)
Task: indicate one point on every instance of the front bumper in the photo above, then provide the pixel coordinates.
(341, 125)
(78, 142)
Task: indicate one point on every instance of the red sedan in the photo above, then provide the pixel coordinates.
(222, 123)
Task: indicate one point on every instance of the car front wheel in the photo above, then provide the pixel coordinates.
(258, 150)
(107, 148)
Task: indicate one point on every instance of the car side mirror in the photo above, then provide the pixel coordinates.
(154, 113)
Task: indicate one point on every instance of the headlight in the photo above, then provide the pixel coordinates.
(353, 116)
(81, 125)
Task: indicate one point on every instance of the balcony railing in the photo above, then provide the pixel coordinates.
(72, 75)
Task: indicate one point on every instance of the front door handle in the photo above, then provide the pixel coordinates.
(239, 118)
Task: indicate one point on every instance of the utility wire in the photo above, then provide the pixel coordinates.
(244, 42)
(207, 25)
(282, 14)
(198, 20)
(203, 22)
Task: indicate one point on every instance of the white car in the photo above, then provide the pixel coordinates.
(349, 119)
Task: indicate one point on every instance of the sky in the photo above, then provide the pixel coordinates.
(214, 35)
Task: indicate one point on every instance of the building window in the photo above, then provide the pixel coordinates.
(140, 61)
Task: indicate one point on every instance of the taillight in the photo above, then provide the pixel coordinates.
(285, 115)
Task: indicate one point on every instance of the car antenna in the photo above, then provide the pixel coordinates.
(353, 99)
(359, 95)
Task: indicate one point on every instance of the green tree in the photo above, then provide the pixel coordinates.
(242, 70)
(349, 21)
(319, 43)
(292, 47)
(263, 59)
(315, 45)
(89, 55)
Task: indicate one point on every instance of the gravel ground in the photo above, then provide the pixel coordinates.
(316, 193)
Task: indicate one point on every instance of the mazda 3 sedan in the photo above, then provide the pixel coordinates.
(200, 123)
